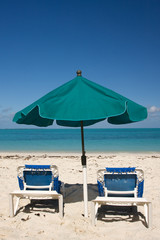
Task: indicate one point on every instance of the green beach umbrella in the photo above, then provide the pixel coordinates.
(80, 103)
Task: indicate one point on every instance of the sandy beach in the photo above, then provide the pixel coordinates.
(44, 222)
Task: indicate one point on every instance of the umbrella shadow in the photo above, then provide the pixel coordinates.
(74, 192)
(108, 213)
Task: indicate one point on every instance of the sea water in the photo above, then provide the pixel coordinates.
(69, 140)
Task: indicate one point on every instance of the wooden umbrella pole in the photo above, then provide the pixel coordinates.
(85, 189)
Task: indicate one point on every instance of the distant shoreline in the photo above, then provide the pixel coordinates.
(16, 153)
(86, 128)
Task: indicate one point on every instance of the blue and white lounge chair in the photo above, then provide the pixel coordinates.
(121, 186)
(38, 181)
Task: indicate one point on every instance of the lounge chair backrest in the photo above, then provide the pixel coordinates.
(120, 182)
(115, 184)
(38, 177)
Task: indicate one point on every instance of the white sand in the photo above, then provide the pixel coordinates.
(44, 223)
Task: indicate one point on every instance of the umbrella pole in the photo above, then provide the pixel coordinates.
(85, 189)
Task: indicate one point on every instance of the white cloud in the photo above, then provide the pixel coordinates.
(154, 116)
(153, 109)
(6, 113)
(6, 110)
(6, 116)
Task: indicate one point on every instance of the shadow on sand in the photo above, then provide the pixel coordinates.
(74, 193)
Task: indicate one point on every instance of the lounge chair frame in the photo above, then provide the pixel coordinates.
(37, 191)
(120, 199)
(30, 194)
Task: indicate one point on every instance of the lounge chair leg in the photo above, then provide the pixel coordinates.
(96, 209)
(16, 206)
(11, 205)
(63, 189)
(148, 214)
(93, 213)
(60, 201)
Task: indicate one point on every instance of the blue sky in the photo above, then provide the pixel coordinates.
(115, 43)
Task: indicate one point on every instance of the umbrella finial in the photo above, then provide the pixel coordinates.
(79, 73)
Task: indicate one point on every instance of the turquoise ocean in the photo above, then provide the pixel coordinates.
(69, 140)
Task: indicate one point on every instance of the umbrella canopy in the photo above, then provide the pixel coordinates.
(79, 103)
(81, 100)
